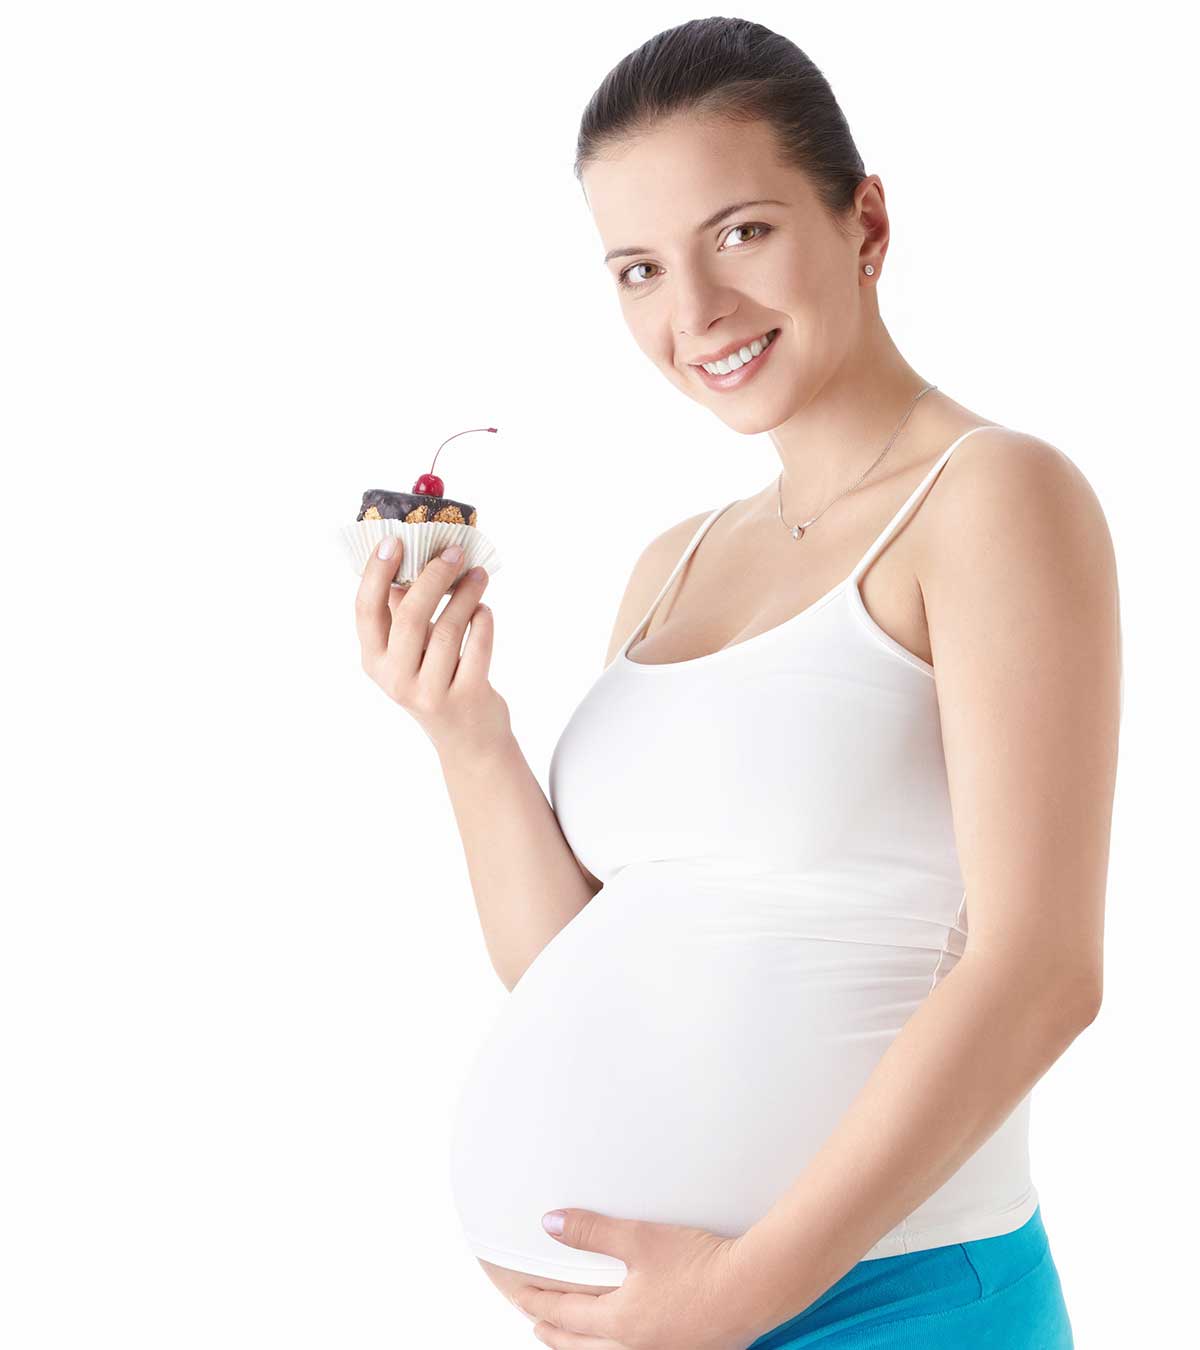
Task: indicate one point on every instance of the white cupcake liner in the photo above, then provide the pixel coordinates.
(421, 542)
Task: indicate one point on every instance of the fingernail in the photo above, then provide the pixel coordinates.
(452, 554)
(553, 1222)
(387, 546)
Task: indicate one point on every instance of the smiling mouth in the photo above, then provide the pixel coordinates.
(771, 335)
(741, 376)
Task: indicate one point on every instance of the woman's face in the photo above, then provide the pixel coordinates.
(690, 285)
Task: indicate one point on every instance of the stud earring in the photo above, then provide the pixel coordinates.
(869, 270)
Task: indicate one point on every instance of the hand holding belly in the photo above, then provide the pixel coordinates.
(683, 1290)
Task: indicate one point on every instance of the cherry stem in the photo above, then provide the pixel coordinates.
(450, 438)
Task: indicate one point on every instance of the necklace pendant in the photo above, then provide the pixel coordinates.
(797, 531)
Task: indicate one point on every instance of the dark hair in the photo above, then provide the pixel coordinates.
(737, 70)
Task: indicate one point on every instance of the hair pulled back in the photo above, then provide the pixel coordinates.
(738, 71)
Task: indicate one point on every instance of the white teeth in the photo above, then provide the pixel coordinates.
(739, 358)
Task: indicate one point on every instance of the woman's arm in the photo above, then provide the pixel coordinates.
(527, 882)
(1020, 592)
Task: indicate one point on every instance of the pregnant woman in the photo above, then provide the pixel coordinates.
(817, 896)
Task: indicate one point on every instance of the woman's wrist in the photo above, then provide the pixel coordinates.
(767, 1293)
(464, 750)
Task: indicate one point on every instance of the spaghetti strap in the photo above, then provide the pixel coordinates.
(684, 556)
(881, 539)
(914, 497)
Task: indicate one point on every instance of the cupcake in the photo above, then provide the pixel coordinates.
(414, 507)
(426, 521)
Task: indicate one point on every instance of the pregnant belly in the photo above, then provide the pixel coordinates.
(676, 1053)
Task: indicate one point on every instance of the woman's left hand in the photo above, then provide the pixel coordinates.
(682, 1291)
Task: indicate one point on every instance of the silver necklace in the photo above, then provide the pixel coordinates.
(797, 531)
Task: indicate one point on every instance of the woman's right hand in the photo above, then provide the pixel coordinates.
(416, 662)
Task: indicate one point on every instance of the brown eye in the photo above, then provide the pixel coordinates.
(623, 275)
(627, 285)
(756, 225)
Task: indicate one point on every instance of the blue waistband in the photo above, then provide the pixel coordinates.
(917, 1284)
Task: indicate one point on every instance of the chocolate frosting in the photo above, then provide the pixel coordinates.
(414, 507)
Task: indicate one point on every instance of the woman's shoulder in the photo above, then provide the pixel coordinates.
(1013, 528)
(650, 570)
(1010, 483)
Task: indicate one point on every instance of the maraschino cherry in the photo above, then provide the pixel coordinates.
(429, 484)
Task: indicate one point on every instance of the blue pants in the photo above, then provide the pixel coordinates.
(1002, 1293)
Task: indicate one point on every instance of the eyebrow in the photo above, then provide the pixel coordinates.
(714, 219)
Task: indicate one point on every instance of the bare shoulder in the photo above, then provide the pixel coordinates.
(1018, 577)
(646, 578)
(1011, 503)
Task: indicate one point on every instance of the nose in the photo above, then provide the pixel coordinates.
(699, 305)
(695, 332)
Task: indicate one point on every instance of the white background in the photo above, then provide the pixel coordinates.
(258, 257)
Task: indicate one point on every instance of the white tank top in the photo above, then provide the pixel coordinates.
(773, 829)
